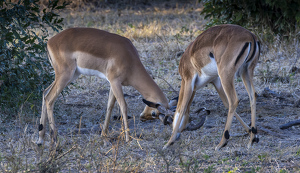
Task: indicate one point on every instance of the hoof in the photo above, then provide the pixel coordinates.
(118, 117)
(218, 147)
(222, 144)
(255, 139)
(39, 143)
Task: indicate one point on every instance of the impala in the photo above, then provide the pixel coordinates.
(216, 56)
(109, 56)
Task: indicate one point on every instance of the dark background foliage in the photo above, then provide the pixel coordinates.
(270, 17)
(24, 68)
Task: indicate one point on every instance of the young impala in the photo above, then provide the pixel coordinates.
(109, 56)
(216, 56)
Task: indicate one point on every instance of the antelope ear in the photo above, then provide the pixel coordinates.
(151, 104)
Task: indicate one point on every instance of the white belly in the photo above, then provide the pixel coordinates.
(90, 72)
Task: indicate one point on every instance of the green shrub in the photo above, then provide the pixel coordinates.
(271, 17)
(24, 67)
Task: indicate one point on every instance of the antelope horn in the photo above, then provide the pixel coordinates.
(167, 120)
(192, 127)
(163, 118)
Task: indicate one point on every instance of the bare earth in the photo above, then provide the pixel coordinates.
(161, 33)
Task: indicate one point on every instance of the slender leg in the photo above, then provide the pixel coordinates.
(117, 91)
(220, 90)
(186, 116)
(228, 85)
(186, 92)
(110, 105)
(247, 79)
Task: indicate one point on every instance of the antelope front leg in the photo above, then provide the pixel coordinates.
(117, 91)
(110, 105)
(180, 118)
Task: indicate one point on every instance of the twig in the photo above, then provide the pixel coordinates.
(260, 128)
(63, 154)
(168, 84)
(290, 124)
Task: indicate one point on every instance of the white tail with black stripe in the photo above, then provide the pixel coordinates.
(216, 56)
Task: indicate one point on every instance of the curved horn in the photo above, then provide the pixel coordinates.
(192, 127)
(167, 120)
(162, 118)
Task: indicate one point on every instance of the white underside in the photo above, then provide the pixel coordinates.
(79, 56)
(90, 72)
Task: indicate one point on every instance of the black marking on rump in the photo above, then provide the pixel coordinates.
(241, 53)
(254, 49)
(150, 104)
(41, 127)
(226, 134)
(211, 55)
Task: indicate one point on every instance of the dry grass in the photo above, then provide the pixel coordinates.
(160, 34)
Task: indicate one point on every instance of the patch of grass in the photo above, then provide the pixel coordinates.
(298, 152)
(209, 169)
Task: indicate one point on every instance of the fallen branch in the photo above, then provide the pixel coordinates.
(290, 124)
(260, 128)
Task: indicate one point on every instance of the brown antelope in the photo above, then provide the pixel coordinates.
(216, 56)
(109, 56)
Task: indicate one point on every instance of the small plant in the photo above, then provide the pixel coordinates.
(234, 170)
(298, 152)
(206, 157)
(209, 169)
(262, 157)
(283, 171)
(189, 166)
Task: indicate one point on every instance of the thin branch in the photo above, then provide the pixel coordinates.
(290, 124)
(168, 84)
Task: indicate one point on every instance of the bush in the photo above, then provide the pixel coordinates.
(24, 67)
(271, 17)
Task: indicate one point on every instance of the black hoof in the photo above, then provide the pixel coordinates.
(255, 140)
(224, 145)
(118, 117)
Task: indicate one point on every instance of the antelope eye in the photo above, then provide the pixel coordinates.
(153, 114)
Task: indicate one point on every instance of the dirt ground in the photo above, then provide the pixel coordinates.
(161, 33)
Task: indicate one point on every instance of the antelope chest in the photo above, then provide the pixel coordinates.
(206, 75)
